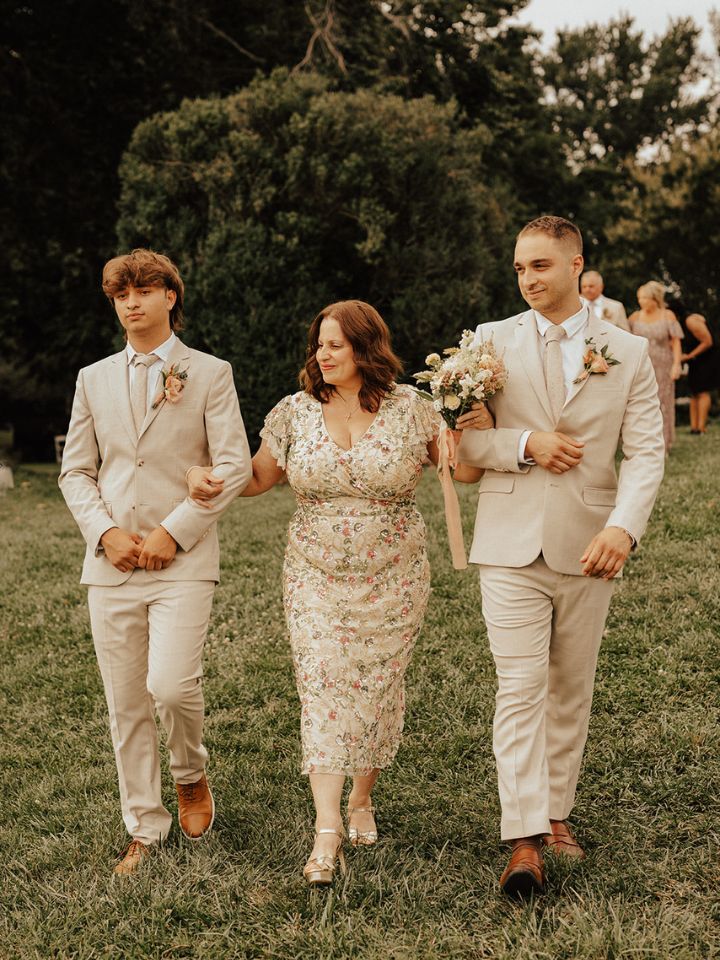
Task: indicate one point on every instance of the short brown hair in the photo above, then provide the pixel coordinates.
(373, 354)
(556, 227)
(145, 268)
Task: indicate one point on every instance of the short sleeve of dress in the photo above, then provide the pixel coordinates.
(277, 431)
(425, 421)
(674, 329)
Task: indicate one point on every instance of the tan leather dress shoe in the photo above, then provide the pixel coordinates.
(562, 841)
(131, 858)
(196, 808)
(524, 874)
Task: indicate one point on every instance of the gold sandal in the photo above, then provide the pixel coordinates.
(359, 838)
(319, 871)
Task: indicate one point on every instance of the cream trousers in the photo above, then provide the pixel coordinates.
(149, 636)
(545, 630)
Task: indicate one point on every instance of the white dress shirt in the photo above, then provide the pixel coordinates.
(572, 349)
(597, 306)
(163, 352)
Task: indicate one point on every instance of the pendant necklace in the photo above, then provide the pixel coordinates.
(354, 409)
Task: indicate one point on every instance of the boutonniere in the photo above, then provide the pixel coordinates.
(596, 361)
(173, 384)
(606, 314)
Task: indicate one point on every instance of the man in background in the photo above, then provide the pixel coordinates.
(602, 307)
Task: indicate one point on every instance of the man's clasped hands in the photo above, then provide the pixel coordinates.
(126, 550)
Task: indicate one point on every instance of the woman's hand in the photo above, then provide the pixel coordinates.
(675, 372)
(203, 485)
(478, 417)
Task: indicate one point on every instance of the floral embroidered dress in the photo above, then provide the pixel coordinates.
(658, 334)
(356, 575)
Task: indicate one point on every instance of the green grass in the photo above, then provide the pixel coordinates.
(648, 808)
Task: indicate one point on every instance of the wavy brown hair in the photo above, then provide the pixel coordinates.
(145, 268)
(372, 351)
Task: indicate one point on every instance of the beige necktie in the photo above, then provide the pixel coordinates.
(138, 392)
(553, 366)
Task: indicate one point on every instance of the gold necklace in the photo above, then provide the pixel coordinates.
(354, 409)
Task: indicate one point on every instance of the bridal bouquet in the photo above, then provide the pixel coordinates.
(469, 373)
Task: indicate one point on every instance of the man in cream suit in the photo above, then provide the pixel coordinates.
(140, 419)
(602, 307)
(555, 525)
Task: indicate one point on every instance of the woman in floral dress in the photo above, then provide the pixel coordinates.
(356, 576)
(660, 327)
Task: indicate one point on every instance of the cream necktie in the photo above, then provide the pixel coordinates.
(553, 367)
(138, 393)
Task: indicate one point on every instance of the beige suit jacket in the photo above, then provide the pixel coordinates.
(524, 510)
(111, 477)
(614, 312)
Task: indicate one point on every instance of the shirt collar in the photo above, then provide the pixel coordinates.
(163, 351)
(573, 325)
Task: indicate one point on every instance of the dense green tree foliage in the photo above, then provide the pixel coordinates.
(561, 132)
(615, 97)
(667, 229)
(288, 196)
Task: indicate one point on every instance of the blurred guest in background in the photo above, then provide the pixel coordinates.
(661, 328)
(602, 307)
(703, 360)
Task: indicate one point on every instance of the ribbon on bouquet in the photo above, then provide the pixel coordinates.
(446, 462)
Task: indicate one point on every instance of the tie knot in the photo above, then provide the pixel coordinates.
(555, 332)
(144, 359)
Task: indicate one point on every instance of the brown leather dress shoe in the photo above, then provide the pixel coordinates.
(196, 808)
(562, 841)
(131, 858)
(524, 874)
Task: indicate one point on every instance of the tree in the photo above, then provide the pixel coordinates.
(76, 77)
(288, 196)
(614, 98)
(667, 229)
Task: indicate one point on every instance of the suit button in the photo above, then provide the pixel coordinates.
(132, 508)
(140, 462)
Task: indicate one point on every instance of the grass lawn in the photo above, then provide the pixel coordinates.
(648, 808)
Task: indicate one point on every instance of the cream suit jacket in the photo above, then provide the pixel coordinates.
(614, 312)
(524, 510)
(111, 477)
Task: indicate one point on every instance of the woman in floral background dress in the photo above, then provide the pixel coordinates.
(660, 326)
(356, 574)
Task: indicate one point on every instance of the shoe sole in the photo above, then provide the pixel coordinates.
(205, 832)
(522, 884)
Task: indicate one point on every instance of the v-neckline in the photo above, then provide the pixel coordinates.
(359, 439)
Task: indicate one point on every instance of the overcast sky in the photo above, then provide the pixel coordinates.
(650, 15)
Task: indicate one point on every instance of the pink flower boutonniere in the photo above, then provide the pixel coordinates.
(173, 384)
(596, 361)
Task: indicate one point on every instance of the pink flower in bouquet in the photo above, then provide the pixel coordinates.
(598, 364)
(173, 388)
(173, 384)
(596, 361)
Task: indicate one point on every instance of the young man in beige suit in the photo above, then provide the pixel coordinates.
(602, 307)
(554, 526)
(140, 419)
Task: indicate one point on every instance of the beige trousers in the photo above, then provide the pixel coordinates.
(545, 630)
(149, 636)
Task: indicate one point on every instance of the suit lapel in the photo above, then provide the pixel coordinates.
(180, 356)
(597, 331)
(526, 340)
(120, 390)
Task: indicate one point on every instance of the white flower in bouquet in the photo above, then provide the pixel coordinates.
(464, 375)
